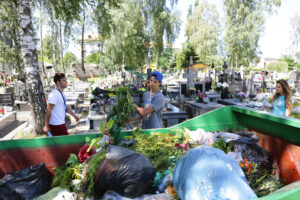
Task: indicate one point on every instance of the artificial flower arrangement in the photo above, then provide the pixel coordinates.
(200, 96)
(221, 87)
(240, 95)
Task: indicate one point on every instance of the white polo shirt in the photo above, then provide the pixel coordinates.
(58, 113)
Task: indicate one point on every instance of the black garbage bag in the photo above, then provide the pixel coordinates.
(254, 153)
(26, 183)
(124, 171)
(8, 194)
(96, 91)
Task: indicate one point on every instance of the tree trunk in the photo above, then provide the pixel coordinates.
(82, 44)
(61, 48)
(29, 56)
(53, 39)
(16, 39)
(42, 53)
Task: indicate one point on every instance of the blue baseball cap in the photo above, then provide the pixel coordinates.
(158, 75)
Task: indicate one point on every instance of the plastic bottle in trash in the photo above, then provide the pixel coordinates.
(164, 183)
(265, 103)
(49, 134)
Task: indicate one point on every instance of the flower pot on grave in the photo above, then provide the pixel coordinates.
(224, 95)
(199, 100)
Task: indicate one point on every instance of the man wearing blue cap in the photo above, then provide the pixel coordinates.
(154, 103)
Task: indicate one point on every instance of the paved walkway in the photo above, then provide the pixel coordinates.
(81, 127)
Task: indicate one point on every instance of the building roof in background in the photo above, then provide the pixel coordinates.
(94, 68)
(91, 38)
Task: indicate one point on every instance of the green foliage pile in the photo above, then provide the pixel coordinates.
(93, 165)
(221, 144)
(159, 149)
(123, 107)
(263, 181)
(73, 169)
(64, 174)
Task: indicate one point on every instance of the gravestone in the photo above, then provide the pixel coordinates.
(138, 79)
(149, 71)
(242, 72)
(190, 75)
(250, 84)
(203, 86)
(233, 76)
(173, 115)
(183, 88)
(7, 99)
(194, 109)
(199, 86)
(293, 76)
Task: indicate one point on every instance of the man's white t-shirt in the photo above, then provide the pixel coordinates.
(58, 113)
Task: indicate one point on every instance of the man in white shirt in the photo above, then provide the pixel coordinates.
(57, 108)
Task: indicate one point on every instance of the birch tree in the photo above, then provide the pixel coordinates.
(31, 68)
(203, 31)
(245, 21)
(10, 50)
(125, 46)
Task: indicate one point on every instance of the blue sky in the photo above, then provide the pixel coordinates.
(276, 38)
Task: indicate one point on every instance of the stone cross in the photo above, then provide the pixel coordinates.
(191, 60)
(190, 77)
(232, 75)
(250, 84)
(149, 71)
(138, 79)
(241, 72)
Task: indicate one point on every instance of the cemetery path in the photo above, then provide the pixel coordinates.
(83, 126)
(80, 127)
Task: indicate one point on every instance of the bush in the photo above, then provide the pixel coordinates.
(278, 66)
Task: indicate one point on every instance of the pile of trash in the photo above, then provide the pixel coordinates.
(181, 164)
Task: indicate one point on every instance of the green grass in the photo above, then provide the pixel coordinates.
(22, 135)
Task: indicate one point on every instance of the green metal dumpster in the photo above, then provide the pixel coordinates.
(279, 135)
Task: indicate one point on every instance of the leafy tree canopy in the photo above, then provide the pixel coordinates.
(279, 66)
